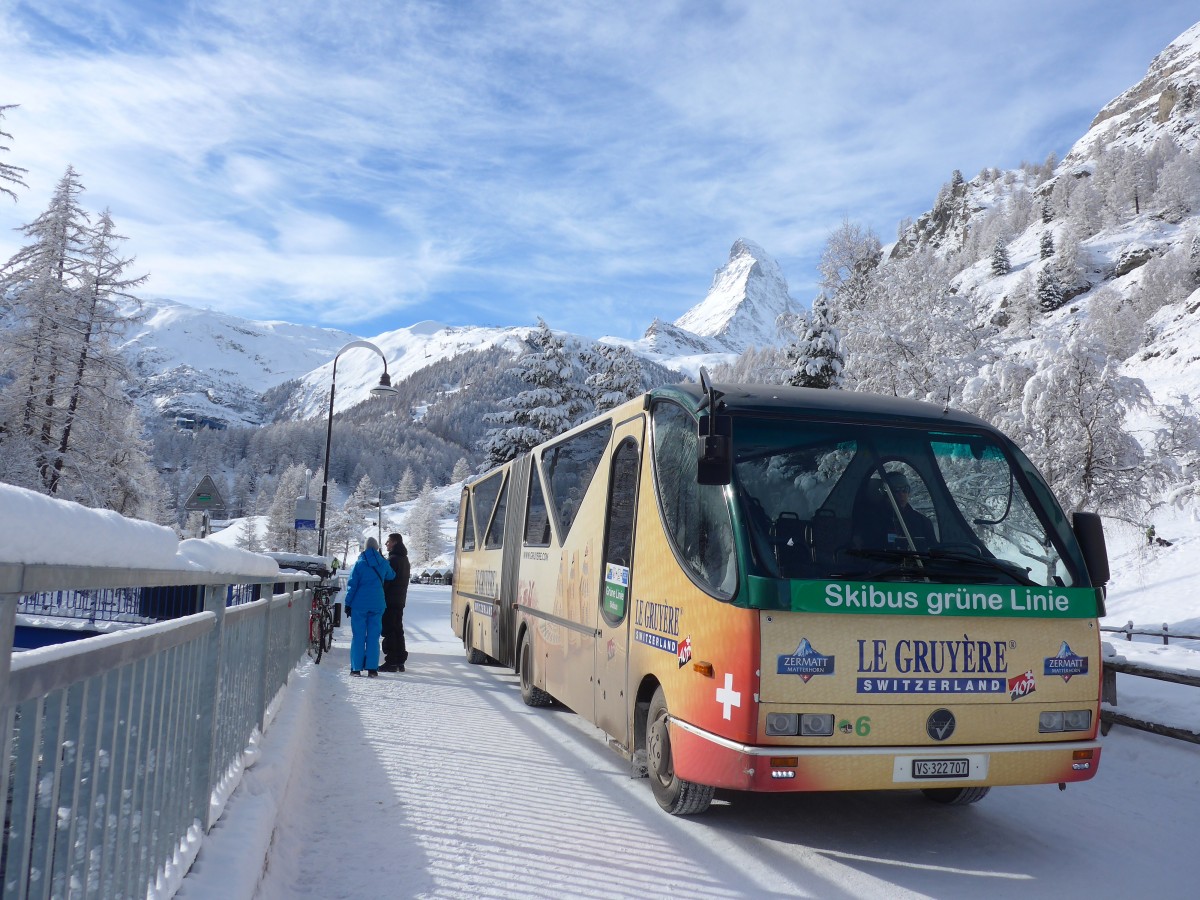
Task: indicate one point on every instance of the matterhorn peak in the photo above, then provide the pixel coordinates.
(747, 295)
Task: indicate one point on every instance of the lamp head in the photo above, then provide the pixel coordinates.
(384, 387)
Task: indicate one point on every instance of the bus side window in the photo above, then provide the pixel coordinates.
(468, 534)
(537, 518)
(495, 533)
(570, 466)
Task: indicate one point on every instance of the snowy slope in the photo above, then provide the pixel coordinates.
(214, 366)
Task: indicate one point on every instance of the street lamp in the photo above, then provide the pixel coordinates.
(384, 387)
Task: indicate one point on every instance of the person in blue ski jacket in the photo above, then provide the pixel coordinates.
(365, 606)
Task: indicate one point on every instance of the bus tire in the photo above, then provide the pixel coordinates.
(676, 796)
(533, 696)
(474, 657)
(956, 796)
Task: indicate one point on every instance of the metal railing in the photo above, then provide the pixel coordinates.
(120, 749)
(1165, 632)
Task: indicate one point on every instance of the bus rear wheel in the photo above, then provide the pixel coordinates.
(474, 657)
(956, 796)
(533, 696)
(676, 796)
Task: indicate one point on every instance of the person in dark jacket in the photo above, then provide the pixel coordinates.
(395, 653)
(365, 604)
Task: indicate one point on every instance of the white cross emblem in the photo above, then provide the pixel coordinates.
(728, 697)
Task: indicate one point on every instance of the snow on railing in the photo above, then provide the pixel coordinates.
(1180, 668)
(121, 749)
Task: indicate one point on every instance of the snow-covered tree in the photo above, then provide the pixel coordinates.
(364, 502)
(616, 376)
(461, 471)
(815, 358)
(1049, 291)
(551, 404)
(1178, 188)
(247, 535)
(1046, 245)
(1073, 412)
(281, 517)
(1000, 262)
(849, 258)
(422, 528)
(65, 410)
(406, 487)
(916, 338)
(8, 172)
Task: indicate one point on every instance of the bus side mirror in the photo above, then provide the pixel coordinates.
(714, 458)
(1089, 531)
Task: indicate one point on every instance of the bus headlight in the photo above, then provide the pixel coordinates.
(816, 724)
(1065, 720)
(782, 723)
(1050, 721)
(1077, 720)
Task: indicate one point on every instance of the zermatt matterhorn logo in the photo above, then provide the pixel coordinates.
(806, 662)
(1065, 663)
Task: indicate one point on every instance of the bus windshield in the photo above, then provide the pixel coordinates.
(834, 500)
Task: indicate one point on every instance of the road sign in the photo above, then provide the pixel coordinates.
(306, 514)
(205, 497)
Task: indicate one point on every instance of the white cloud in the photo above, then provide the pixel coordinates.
(481, 159)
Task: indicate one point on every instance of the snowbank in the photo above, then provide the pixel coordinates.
(35, 529)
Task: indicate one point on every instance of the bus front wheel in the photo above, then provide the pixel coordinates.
(956, 796)
(676, 796)
(474, 657)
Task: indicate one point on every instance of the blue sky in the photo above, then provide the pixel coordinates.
(370, 164)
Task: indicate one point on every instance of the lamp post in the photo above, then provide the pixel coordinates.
(384, 387)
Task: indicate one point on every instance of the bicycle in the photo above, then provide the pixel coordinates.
(320, 622)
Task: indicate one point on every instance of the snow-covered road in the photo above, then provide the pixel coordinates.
(440, 783)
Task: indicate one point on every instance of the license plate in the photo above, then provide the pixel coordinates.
(941, 768)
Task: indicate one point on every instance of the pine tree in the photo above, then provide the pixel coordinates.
(281, 518)
(551, 404)
(42, 279)
(616, 376)
(462, 471)
(1000, 264)
(1047, 244)
(1049, 291)
(66, 410)
(9, 172)
(423, 527)
(362, 504)
(816, 358)
(97, 370)
(406, 487)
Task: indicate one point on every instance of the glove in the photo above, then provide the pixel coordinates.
(347, 612)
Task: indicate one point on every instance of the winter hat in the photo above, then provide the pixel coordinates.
(372, 544)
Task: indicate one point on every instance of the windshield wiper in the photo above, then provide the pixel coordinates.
(912, 562)
(986, 562)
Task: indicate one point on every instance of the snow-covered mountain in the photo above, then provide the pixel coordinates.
(748, 295)
(214, 367)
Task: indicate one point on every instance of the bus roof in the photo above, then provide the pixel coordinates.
(771, 399)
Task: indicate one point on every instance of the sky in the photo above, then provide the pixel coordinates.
(369, 165)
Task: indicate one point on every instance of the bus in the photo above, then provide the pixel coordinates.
(766, 588)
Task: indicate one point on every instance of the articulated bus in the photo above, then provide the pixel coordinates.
(763, 588)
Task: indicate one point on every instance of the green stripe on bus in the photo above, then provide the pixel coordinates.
(922, 599)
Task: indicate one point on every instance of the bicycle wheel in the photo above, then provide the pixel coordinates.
(316, 640)
(327, 628)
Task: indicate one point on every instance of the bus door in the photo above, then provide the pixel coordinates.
(617, 567)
